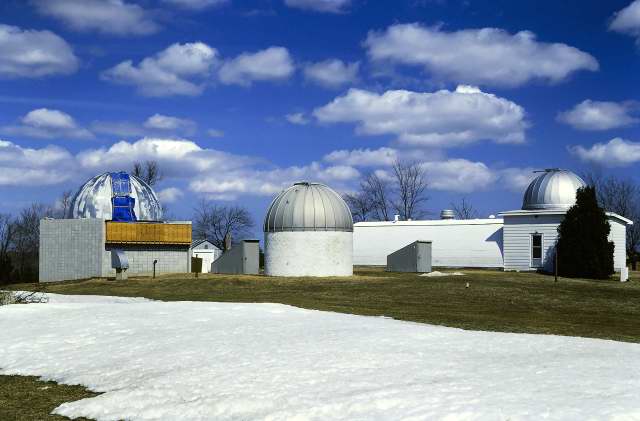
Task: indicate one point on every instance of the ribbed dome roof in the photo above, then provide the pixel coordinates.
(553, 189)
(93, 200)
(308, 207)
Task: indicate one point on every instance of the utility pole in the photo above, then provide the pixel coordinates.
(555, 257)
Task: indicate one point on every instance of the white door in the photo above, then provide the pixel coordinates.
(536, 250)
(207, 259)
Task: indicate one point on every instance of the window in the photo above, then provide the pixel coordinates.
(536, 250)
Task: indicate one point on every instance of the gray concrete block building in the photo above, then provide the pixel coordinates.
(80, 246)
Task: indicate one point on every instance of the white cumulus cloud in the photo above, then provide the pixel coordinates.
(599, 115)
(273, 63)
(215, 133)
(31, 54)
(627, 20)
(170, 195)
(442, 119)
(363, 157)
(297, 118)
(326, 6)
(332, 73)
(165, 122)
(458, 175)
(617, 152)
(178, 70)
(196, 4)
(488, 56)
(47, 124)
(33, 167)
(106, 16)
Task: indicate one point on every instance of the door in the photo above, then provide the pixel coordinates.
(536, 250)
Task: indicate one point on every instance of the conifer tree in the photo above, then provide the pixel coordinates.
(584, 250)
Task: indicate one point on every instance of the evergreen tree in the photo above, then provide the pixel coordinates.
(584, 250)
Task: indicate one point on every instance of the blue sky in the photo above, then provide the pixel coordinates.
(238, 99)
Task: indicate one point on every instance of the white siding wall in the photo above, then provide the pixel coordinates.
(517, 240)
(456, 243)
(618, 235)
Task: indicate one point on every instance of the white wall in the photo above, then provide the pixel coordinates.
(618, 235)
(456, 243)
(308, 253)
(517, 238)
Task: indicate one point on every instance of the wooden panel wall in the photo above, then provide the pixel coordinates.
(148, 233)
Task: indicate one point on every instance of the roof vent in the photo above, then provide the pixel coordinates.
(447, 214)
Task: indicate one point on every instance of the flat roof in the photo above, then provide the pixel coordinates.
(431, 222)
(522, 212)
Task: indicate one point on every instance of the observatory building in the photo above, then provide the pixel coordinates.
(530, 234)
(308, 231)
(112, 211)
(522, 240)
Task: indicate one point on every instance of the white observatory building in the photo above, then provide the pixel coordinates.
(522, 240)
(308, 231)
(112, 212)
(530, 234)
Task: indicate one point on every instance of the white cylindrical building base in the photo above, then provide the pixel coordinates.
(308, 253)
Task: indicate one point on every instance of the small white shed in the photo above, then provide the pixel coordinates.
(207, 251)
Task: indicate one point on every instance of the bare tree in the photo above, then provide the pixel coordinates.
(214, 222)
(62, 205)
(377, 191)
(411, 187)
(464, 209)
(26, 240)
(621, 196)
(149, 172)
(361, 205)
(6, 242)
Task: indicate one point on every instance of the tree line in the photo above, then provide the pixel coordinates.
(402, 191)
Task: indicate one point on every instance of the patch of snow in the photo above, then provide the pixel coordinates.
(436, 274)
(226, 361)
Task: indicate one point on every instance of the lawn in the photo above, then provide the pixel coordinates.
(494, 300)
(29, 399)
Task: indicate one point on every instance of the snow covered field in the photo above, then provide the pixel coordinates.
(197, 361)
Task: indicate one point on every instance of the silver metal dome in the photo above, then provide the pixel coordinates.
(553, 189)
(93, 200)
(308, 207)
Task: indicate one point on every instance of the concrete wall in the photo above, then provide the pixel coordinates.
(517, 240)
(171, 259)
(309, 253)
(455, 243)
(71, 249)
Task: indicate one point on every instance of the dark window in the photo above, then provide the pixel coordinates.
(536, 246)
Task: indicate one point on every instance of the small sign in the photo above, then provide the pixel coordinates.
(196, 265)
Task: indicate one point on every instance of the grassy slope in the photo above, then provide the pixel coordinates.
(28, 399)
(498, 301)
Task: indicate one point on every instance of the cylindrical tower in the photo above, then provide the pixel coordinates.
(308, 232)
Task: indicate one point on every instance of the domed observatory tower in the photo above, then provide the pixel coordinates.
(112, 212)
(116, 196)
(530, 234)
(308, 232)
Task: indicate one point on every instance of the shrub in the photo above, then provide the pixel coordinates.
(584, 250)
